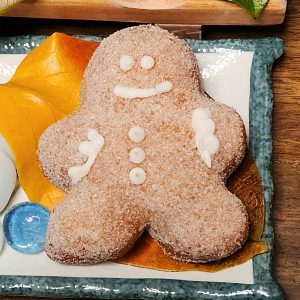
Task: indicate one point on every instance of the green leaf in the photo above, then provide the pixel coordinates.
(254, 7)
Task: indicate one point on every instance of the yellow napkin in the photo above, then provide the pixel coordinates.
(44, 89)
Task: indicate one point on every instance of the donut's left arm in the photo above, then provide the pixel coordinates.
(219, 136)
(231, 134)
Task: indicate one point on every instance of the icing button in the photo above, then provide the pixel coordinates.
(137, 176)
(25, 227)
(136, 134)
(137, 155)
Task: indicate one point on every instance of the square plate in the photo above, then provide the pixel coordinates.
(242, 64)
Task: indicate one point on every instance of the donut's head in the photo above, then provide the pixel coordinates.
(141, 62)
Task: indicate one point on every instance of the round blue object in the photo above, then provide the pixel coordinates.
(25, 227)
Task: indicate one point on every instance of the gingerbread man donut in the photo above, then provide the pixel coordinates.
(146, 150)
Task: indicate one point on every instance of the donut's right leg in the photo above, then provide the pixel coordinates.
(90, 226)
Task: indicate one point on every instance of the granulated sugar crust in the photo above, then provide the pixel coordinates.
(183, 204)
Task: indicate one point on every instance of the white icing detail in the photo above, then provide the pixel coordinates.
(206, 157)
(85, 148)
(204, 128)
(137, 176)
(91, 149)
(131, 93)
(208, 126)
(147, 62)
(1, 238)
(136, 134)
(201, 114)
(8, 179)
(211, 144)
(137, 155)
(126, 62)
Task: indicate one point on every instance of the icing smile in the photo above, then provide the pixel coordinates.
(131, 92)
(147, 62)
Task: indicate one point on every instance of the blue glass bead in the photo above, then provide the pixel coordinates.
(25, 227)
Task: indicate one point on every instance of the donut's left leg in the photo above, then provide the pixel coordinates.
(204, 230)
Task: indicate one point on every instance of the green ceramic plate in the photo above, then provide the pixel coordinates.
(260, 143)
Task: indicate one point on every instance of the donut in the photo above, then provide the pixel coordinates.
(146, 150)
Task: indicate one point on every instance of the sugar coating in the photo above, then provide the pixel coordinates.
(87, 220)
(182, 203)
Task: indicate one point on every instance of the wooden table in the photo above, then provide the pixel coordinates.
(286, 121)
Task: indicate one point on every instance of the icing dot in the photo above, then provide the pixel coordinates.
(206, 157)
(85, 148)
(89, 148)
(211, 144)
(126, 62)
(25, 227)
(199, 139)
(136, 134)
(147, 62)
(204, 127)
(137, 176)
(208, 126)
(201, 114)
(137, 155)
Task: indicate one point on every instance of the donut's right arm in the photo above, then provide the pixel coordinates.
(58, 149)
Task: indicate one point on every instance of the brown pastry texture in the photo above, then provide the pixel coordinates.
(183, 203)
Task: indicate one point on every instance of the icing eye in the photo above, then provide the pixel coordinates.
(147, 62)
(126, 62)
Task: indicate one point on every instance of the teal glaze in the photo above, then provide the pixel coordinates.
(266, 51)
